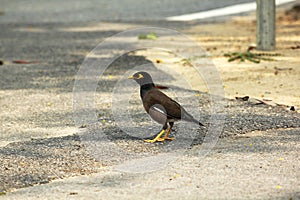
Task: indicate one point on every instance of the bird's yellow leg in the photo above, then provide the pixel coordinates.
(157, 138)
(166, 137)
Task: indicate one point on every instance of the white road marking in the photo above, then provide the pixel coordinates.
(229, 10)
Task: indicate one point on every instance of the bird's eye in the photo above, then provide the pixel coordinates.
(140, 76)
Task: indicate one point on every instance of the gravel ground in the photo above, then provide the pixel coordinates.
(259, 165)
(41, 160)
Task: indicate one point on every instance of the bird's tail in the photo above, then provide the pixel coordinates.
(196, 122)
(190, 118)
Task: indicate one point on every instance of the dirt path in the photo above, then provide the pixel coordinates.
(277, 80)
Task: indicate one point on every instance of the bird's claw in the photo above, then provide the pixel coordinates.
(149, 141)
(167, 138)
(154, 140)
(159, 139)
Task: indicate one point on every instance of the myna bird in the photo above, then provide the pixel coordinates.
(160, 107)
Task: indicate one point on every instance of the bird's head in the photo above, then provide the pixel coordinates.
(142, 78)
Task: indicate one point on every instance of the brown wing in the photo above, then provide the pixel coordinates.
(170, 107)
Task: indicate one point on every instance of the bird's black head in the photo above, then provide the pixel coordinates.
(142, 78)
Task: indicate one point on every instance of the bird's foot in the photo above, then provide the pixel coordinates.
(159, 139)
(149, 141)
(155, 140)
(168, 138)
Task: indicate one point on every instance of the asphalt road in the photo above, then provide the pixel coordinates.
(37, 99)
(109, 10)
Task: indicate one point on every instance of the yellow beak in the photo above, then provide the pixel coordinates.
(130, 77)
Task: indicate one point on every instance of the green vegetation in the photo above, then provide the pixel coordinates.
(150, 36)
(253, 57)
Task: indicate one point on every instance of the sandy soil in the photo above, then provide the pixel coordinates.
(276, 80)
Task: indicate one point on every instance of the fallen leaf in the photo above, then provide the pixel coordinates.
(150, 36)
(283, 68)
(295, 47)
(159, 61)
(176, 175)
(245, 98)
(278, 187)
(82, 126)
(24, 62)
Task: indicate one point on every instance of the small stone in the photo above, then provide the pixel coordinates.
(292, 108)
